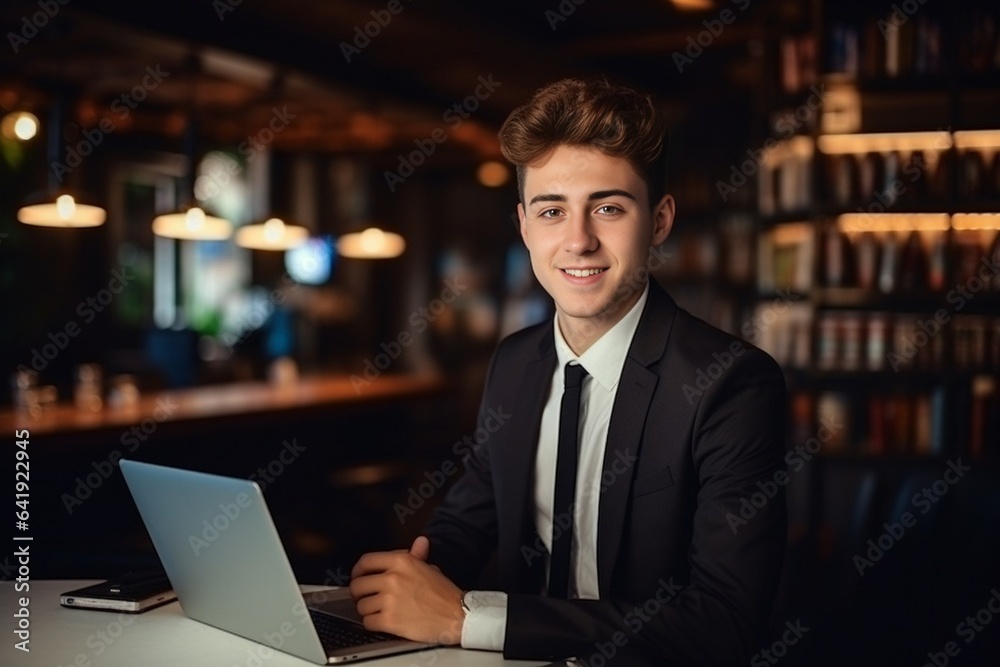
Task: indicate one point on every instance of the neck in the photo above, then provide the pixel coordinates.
(582, 332)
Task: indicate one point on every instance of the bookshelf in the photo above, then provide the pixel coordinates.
(879, 222)
(711, 248)
(873, 221)
(871, 218)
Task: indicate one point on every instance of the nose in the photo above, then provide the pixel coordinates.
(580, 237)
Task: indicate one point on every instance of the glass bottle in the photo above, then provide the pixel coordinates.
(889, 267)
(867, 256)
(913, 265)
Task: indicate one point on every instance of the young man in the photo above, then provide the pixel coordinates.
(612, 496)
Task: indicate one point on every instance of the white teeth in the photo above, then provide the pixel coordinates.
(581, 273)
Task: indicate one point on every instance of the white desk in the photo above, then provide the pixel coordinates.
(62, 637)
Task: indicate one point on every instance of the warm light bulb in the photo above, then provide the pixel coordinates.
(693, 5)
(65, 207)
(194, 219)
(372, 239)
(372, 243)
(274, 229)
(19, 125)
(25, 127)
(492, 174)
(63, 212)
(192, 225)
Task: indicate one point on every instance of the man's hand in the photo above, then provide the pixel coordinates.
(398, 592)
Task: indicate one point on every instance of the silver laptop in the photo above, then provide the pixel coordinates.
(222, 553)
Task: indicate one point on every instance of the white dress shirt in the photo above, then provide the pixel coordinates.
(486, 622)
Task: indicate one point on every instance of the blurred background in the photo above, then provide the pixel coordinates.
(278, 240)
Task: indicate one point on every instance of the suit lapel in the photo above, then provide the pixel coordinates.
(628, 417)
(523, 445)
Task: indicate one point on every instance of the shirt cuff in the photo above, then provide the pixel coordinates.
(486, 621)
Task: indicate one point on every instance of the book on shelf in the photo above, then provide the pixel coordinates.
(904, 423)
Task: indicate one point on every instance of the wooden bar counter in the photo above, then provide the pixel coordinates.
(215, 406)
(332, 461)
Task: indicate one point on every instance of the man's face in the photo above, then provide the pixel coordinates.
(588, 228)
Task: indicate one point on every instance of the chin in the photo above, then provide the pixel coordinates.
(585, 310)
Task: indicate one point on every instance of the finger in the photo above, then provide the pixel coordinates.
(375, 623)
(369, 605)
(368, 585)
(421, 548)
(376, 561)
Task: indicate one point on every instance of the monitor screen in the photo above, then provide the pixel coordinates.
(312, 262)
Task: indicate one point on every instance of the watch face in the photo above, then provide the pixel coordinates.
(481, 599)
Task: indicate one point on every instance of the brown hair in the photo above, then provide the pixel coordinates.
(618, 121)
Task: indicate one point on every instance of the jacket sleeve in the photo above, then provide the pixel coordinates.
(463, 530)
(718, 615)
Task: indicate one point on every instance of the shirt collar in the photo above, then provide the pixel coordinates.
(604, 359)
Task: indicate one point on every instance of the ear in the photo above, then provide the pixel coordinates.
(663, 219)
(522, 223)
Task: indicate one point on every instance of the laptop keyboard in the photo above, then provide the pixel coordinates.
(337, 633)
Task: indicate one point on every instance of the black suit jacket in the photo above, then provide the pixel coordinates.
(684, 577)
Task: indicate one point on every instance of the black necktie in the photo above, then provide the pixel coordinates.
(562, 514)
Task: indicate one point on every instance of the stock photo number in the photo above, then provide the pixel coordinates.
(22, 498)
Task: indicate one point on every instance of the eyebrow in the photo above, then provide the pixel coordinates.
(600, 194)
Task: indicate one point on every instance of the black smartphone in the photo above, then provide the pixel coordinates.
(133, 592)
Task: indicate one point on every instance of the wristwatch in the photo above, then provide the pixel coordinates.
(465, 603)
(475, 600)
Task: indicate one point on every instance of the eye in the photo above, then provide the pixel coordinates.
(609, 209)
(549, 213)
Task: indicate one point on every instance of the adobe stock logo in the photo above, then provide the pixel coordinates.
(713, 28)
(779, 649)
(968, 629)
(122, 107)
(419, 320)
(455, 115)
(901, 13)
(88, 309)
(31, 25)
(418, 495)
(211, 530)
(562, 13)
(363, 38)
(796, 460)
(705, 378)
(635, 620)
(131, 438)
(924, 501)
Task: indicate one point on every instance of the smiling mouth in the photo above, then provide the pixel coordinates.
(583, 273)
